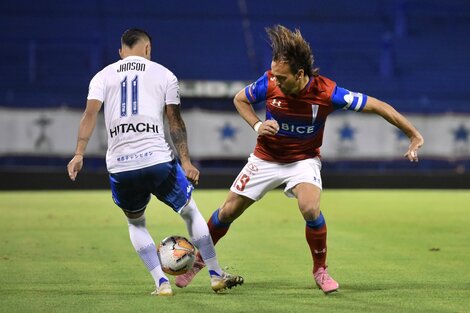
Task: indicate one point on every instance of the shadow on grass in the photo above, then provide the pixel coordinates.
(248, 288)
(67, 291)
(402, 286)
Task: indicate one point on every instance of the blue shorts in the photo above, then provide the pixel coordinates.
(132, 189)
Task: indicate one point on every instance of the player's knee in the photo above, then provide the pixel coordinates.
(189, 210)
(131, 215)
(233, 207)
(310, 211)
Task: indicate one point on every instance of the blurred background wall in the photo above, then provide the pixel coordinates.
(413, 54)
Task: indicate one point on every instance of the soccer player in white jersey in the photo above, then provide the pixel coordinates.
(298, 101)
(137, 93)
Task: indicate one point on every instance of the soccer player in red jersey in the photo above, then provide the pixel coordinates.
(298, 102)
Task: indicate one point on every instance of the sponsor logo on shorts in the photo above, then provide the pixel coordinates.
(252, 167)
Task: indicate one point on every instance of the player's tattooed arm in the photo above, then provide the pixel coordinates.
(178, 131)
(180, 141)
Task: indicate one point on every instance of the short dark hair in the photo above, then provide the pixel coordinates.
(290, 47)
(133, 35)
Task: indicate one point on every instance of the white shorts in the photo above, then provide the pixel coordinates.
(259, 176)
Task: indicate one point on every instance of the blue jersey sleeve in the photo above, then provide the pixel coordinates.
(347, 100)
(257, 91)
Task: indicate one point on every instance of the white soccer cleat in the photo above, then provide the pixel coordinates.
(163, 290)
(224, 281)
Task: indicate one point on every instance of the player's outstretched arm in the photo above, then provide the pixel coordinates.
(180, 141)
(385, 110)
(87, 125)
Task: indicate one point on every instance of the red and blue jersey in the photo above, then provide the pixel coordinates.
(301, 118)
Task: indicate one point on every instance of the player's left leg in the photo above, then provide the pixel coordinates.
(253, 182)
(232, 208)
(199, 233)
(201, 238)
(308, 198)
(176, 192)
(304, 183)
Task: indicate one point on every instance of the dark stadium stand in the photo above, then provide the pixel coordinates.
(395, 49)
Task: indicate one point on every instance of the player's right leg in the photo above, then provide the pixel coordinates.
(146, 249)
(133, 203)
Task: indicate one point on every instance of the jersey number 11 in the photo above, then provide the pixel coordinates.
(133, 96)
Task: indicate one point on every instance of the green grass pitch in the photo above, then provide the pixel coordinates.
(391, 251)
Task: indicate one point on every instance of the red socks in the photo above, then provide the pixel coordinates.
(217, 231)
(316, 239)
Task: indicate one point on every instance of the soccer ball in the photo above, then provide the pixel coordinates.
(177, 255)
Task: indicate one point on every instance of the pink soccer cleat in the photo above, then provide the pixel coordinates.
(186, 278)
(324, 281)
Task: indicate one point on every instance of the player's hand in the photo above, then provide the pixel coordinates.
(74, 166)
(415, 143)
(192, 173)
(268, 128)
